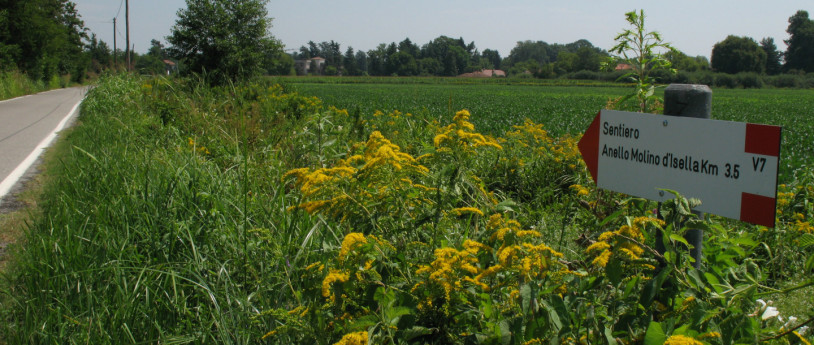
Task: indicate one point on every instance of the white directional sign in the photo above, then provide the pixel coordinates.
(730, 166)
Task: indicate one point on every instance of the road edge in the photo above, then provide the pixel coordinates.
(18, 172)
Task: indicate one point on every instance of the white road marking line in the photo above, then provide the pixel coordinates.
(20, 170)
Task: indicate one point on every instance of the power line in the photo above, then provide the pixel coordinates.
(120, 8)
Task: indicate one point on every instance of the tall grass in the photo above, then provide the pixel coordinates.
(14, 84)
(143, 240)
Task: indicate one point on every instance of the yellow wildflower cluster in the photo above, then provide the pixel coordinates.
(783, 199)
(682, 340)
(530, 134)
(357, 338)
(327, 284)
(565, 150)
(350, 243)
(519, 253)
(195, 147)
(804, 227)
(379, 172)
(461, 135)
(466, 210)
(624, 242)
(501, 228)
(580, 189)
(450, 268)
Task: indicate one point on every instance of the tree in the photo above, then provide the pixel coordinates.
(682, 62)
(773, 56)
(280, 63)
(43, 38)
(409, 47)
(493, 56)
(99, 53)
(800, 51)
(529, 50)
(403, 64)
(349, 62)
(223, 39)
(361, 62)
(157, 49)
(738, 54)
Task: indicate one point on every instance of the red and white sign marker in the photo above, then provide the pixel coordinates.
(730, 166)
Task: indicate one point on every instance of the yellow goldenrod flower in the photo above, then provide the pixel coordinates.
(357, 338)
(602, 259)
(333, 277)
(464, 210)
(682, 340)
(350, 243)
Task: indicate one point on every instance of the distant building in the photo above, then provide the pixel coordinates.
(484, 73)
(310, 66)
(170, 66)
(623, 66)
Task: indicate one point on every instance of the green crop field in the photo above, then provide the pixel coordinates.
(563, 108)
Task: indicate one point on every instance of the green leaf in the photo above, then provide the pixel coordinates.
(655, 334)
(613, 270)
(810, 262)
(806, 240)
(552, 313)
(611, 217)
(525, 298)
(416, 331)
(395, 314)
(714, 282)
(505, 332)
(609, 336)
(679, 238)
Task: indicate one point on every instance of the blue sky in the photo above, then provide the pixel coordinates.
(692, 26)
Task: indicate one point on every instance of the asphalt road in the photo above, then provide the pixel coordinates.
(27, 126)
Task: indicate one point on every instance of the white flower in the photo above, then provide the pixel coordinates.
(788, 323)
(769, 313)
(802, 330)
(759, 308)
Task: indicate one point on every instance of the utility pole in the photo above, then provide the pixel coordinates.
(127, 15)
(115, 58)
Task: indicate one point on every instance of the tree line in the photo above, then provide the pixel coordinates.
(225, 39)
(446, 56)
(43, 38)
(737, 54)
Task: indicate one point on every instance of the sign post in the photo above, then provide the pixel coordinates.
(688, 101)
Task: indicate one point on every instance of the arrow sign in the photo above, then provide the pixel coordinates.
(730, 166)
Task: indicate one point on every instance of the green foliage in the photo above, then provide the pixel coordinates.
(682, 62)
(642, 51)
(738, 54)
(14, 84)
(42, 38)
(800, 43)
(223, 40)
(252, 214)
(773, 56)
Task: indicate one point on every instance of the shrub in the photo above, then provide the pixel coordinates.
(749, 80)
(725, 80)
